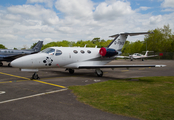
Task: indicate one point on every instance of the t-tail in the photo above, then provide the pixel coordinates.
(120, 39)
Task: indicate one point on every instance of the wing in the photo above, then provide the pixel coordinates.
(122, 56)
(11, 57)
(116, 66)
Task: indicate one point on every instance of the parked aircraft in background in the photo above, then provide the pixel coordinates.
(140, 56)
(9, 55)
(72, 58)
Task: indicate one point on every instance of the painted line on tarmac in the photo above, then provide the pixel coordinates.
(124, 70)
(32, 80)
(40, 94)
(50, 84)
(14, 76)
(141, 68)
(13, 81)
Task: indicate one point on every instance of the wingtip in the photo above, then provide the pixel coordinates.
(160, 65)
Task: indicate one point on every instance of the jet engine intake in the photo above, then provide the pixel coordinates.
(107, 52)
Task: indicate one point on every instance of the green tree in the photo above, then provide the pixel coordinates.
(161, 40)
(14, 48)
(96, 40)
(2, 46)
(32, 46)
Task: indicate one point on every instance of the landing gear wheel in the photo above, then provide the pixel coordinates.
(71, 71)
(99, 72)
(142, 59)
(131, 58)
(35, 76)
(1, 64)
(9, 65)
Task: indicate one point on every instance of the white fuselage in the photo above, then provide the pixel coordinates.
(67, 57)
(138, 55)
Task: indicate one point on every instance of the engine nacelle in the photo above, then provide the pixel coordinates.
(108, 52)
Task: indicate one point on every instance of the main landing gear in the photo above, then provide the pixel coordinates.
(99, 72)
(35, 76)
(71, 71)
(1, 64)
(131, 59)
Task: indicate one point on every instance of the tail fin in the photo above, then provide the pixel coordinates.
(120, 39)
(38, 46)
(146, 52)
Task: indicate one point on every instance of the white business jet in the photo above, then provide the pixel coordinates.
(72, 58)
(141, 56)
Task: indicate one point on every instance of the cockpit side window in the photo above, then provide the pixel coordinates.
(58, 52)
(49, 51)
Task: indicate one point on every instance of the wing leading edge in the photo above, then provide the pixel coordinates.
(117, 66)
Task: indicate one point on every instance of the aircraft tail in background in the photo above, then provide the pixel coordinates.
(38, 46)
(146, 52)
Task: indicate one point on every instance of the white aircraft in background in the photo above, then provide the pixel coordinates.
(140, 56)
(72, 58)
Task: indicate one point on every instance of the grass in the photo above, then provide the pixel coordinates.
(150, 98)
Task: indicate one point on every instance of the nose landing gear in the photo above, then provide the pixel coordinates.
(35, 76)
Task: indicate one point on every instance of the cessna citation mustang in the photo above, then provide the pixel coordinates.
(72, 58)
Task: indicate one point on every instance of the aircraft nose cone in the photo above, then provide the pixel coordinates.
(15, 63)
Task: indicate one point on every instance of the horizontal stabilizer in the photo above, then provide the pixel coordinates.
(131, 34)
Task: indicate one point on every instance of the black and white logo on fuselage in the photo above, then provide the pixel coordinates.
(48, 61)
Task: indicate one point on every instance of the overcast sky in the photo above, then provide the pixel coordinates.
(24, 22)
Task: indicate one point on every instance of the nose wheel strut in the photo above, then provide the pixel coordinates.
(35, 76)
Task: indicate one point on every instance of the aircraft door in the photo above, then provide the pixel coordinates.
(67, 57)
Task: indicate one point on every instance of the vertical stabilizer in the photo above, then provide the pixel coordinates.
(38, 46)
(118, 41)
(146, 54)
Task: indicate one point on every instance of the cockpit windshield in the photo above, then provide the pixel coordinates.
(48, 51)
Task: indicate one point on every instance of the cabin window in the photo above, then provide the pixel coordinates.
(89, 51)
(75, 51)
(58, 52)
(82, 51)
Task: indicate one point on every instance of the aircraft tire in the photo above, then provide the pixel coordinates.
(131, 58)
(71, 71)
(35, 76)
(99, 73)
(1, 64)
(9, 65)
